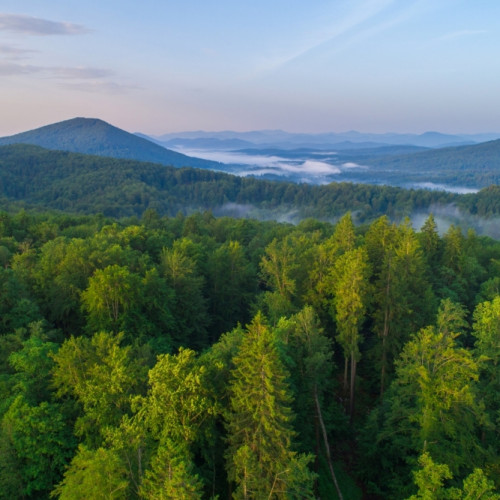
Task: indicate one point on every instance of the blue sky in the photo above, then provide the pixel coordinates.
(164, 66)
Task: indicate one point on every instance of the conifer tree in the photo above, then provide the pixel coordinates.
(260, 459)
(171, 476)
(278, 266)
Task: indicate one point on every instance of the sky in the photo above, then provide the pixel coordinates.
(160, 66)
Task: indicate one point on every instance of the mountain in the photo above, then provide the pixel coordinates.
(286, 140)
(96, 137)
(474, 166)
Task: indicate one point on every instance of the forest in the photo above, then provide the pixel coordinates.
(194, 356)
(35, 178)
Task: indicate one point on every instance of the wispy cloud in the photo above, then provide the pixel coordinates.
(80, 73)
(105, 87)
(359, 15)
(28, 25)
(82, 79)
(461, 34)
(66, 73)
(13, 52)
(11, 69)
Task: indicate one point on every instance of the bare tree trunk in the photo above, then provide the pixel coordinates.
(384, 362)
(385, 333)
(327, 446)
(346, 363)
(353, 379)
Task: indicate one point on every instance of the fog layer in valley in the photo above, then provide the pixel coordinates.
(318, 167)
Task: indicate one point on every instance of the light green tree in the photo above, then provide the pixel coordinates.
(102, 376)
(431, 479)
(177, 413)
(260, 459)
(431, 406)
(171, 475)
(277, 269)
(486, 330)
(98, 474)
(111, 292)
(351, 288)
(403, 299)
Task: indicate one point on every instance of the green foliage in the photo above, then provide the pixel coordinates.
(431, 481)
(403, 299)
(438, 376)
(102, 376)
(430, 407)
(17, 309)
(109, 296)
(430, 478)
(32, 364)
(478, 486)
(97, 474)
(88, 184)
(460, 270)
(277, 268)
(351, 288)
(171, 475)
(486, 330)
(189, 306)
(260, 459)
(232, 283)
(179, 399)
(244, 415)
(42, 443)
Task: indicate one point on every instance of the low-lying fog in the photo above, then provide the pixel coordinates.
(314, 168)
(307, 169)
(443, 187)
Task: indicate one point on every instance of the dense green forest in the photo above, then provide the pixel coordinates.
(193, 357)
(117, 188)
(33, 177)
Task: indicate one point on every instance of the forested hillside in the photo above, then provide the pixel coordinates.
(472, 166)
(36, 177)
(201, 357)
(96, 137)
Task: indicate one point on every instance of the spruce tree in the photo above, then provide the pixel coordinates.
(260, 459)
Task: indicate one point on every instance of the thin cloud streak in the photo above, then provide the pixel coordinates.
(28, 25)
(80, 73)
(360, 15)
(461, 34)
(11, 68)
(99, 87)
(13, 52)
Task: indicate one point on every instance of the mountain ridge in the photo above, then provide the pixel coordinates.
(97, 137)
(281, 138)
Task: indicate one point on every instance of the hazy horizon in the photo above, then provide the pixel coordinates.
(247, 131)
(373, 66)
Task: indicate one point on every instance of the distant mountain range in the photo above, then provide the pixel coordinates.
(285, 140)
(96, 137)
(403, 160)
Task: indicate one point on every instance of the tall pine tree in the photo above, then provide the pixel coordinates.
(260, 459)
